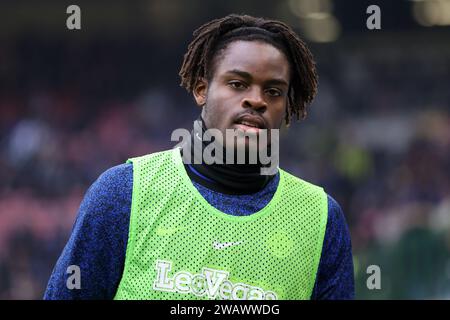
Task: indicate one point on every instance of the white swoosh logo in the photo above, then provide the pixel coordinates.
(223, 245)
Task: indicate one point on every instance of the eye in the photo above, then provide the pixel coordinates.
(237, 84)
(274, 92)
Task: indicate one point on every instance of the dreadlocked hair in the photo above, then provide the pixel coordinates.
(214, 36)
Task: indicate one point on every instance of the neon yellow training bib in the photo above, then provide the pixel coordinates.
(181, 247)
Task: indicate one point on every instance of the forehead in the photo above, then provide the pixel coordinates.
(258, 58)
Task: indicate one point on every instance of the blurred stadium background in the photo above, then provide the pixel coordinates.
(74, 103)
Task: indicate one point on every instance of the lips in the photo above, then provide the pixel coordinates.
(251, 121)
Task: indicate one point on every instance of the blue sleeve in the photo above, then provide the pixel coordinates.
(335, 280)
(98, 240)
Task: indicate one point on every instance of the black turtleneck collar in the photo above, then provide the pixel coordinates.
(224, 178)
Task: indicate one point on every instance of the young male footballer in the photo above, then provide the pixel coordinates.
(163, 227)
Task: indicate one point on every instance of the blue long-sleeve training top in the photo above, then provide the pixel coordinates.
(99, 239)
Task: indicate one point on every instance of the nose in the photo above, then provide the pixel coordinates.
(255, 100)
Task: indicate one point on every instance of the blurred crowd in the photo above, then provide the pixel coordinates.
(377, 138)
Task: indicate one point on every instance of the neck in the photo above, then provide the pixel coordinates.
(243, 178)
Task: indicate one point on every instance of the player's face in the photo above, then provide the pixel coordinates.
(248, 89)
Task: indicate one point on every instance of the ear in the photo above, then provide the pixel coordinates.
(200, 92)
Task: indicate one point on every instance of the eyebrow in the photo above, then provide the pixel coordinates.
(248, 76)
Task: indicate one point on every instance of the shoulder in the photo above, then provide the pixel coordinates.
(115, 180)
(110, 194)
(337, 246)
(290, 178)
(335, 278)
(155, 156)
(101, 226)
(337, 238)
(336, 219)
(301, 189)
(116, 175)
